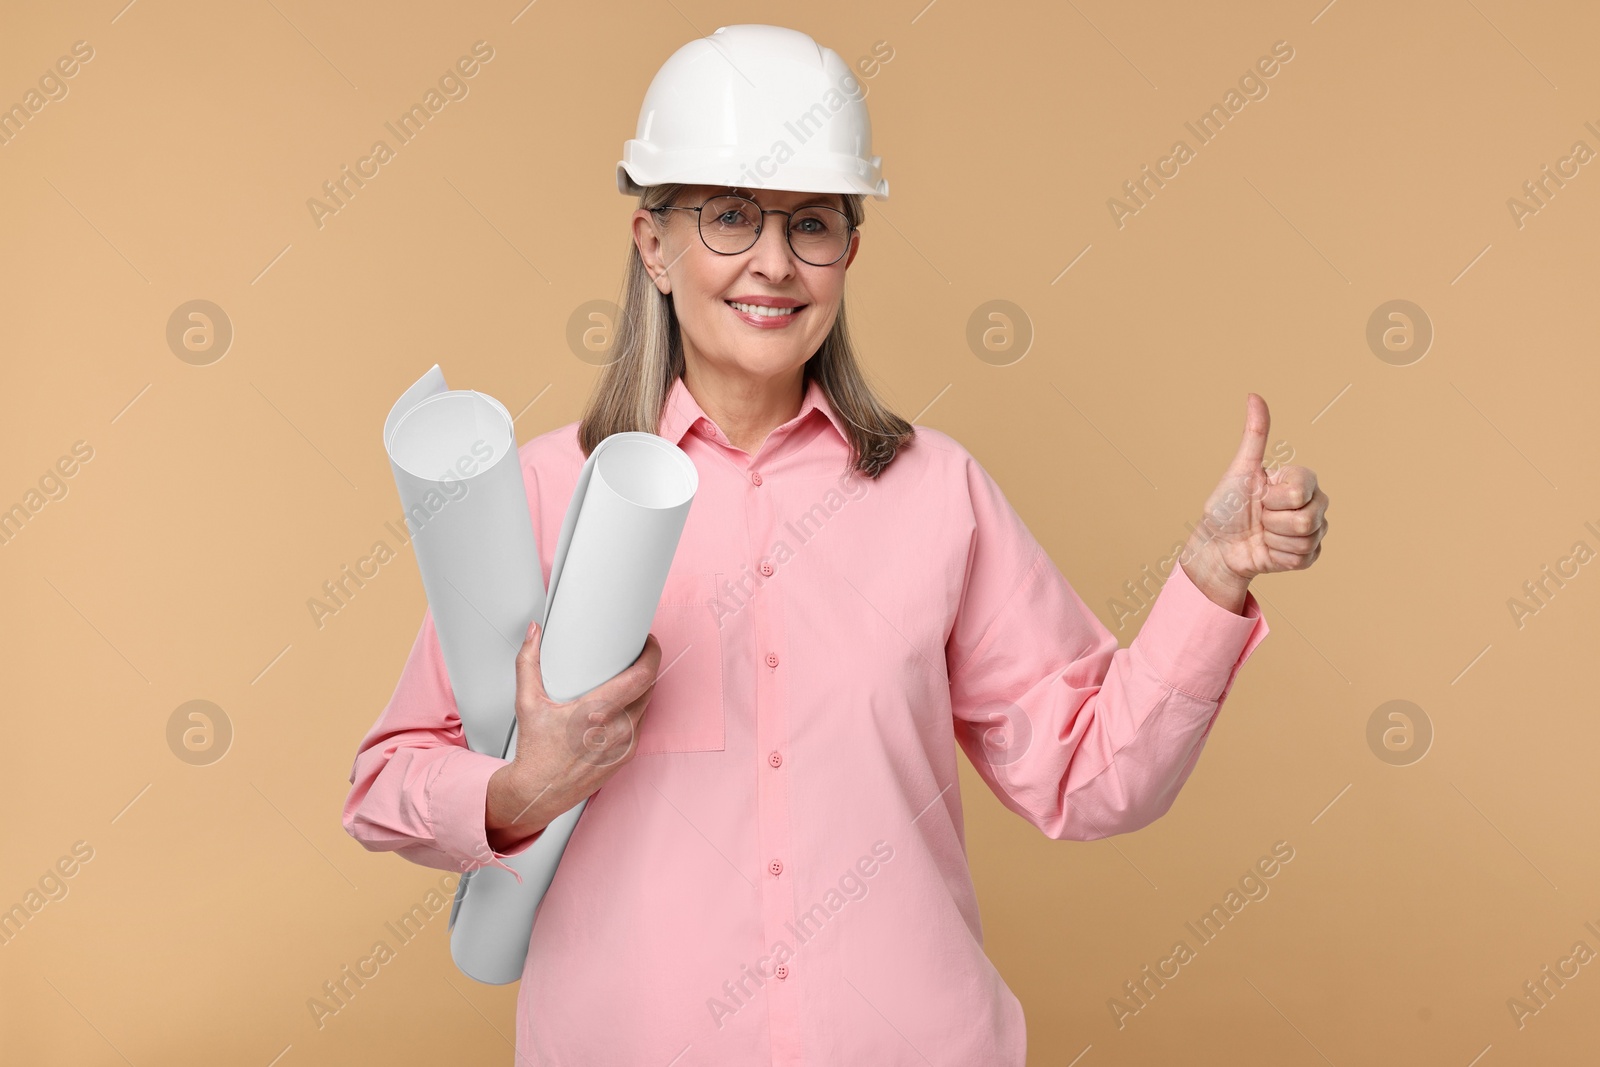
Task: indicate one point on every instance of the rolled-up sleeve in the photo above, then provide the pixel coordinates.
(416, 788)
(1082, 738)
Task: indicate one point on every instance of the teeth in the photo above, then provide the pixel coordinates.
(755, 309)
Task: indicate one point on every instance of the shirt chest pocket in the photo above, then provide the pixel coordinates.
(685, 712)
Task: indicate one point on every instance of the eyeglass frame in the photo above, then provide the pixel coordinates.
(787, 233)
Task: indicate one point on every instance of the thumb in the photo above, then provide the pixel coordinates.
(1253, 445)
(530, 681)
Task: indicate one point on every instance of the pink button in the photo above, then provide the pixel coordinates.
(776, 759)
(766, 568)
(781, 971)
(776, 867)
(772, 659)
(707, 429)
(756, 477)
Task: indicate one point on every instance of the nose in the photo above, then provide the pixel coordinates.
(771, 257)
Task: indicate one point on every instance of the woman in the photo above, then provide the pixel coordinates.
(775, 869)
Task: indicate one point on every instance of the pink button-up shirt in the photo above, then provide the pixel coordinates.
(779, 875)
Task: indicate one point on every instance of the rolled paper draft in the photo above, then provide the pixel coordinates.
(617, 541)
(455, 462)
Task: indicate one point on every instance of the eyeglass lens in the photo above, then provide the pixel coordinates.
(818, 235)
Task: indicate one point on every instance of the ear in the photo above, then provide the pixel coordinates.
(647, 236)
(855, 246)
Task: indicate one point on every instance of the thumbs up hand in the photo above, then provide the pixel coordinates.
(1255, 522)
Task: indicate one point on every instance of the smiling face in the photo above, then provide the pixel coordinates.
(705, 286)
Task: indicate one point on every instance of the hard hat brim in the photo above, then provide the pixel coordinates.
(790, 179)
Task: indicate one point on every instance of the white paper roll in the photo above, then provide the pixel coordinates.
(616, 547)
(455, 462)
(617, 541)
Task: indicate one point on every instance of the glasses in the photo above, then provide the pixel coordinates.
(731, 224)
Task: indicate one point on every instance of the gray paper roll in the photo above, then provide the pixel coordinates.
(455, 463)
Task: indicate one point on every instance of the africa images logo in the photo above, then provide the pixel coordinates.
(452, 85)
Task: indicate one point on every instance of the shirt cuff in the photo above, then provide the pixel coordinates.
(1195, 644)
(457, 797)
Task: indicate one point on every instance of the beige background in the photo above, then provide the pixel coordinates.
(178, 565)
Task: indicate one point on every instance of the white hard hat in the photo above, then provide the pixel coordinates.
(757, 107)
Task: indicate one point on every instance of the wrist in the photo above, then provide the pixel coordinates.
(516, 805)
(1212, 577)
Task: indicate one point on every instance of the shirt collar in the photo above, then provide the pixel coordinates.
(682, 413)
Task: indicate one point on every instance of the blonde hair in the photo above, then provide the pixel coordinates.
(633, 388)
